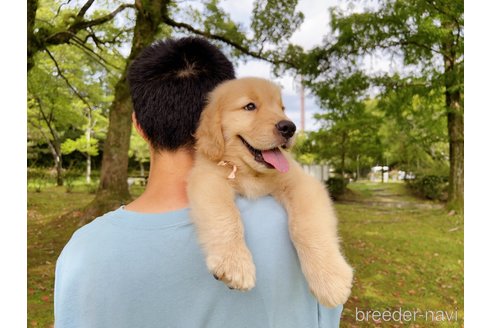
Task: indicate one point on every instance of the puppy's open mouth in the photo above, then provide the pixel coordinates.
(271, 158)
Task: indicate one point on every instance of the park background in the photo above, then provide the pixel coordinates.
(383, 84)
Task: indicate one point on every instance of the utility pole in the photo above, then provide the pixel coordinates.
(302, 107)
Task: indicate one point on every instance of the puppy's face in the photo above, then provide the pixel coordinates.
(249, 115)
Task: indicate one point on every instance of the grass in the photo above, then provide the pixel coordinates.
(407, 253)
(47, 233)
(46, 236)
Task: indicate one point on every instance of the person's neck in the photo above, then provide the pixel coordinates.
(166, 185)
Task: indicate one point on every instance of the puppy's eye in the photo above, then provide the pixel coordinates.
(283, 108)
(250, 106)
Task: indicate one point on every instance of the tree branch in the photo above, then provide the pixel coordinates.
(169, 21)
(97, 41)
(67, 81)
(78, 25)
(443, 12)
(423, 46)
(48, 140)
(54, 134)
(59, 8)
(101, 60)
(84, 8)
(455, 19)
(391, 44)
(388, 82)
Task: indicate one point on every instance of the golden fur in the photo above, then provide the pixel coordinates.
(211, 191)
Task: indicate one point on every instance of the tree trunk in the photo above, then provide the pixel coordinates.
(142, 169)
(358, 168)
(114, 167)
(88, 169)
(57, 161)
(113, 187)
(88, 143)
(32, 7)
(455, 114)
(59, 170)
(456, 149)
(342, 164)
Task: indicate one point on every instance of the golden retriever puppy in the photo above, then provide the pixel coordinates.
(240, 149)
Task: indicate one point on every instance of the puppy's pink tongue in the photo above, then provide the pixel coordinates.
(276, 158)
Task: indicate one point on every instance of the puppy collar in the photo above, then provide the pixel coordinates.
(232, 175)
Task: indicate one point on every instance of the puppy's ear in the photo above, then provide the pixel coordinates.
(209, 137)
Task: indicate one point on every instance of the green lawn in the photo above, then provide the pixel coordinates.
(407, 253)
(47, 233)
(46, 236)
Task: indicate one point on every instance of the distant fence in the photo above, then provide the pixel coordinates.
(320, 172)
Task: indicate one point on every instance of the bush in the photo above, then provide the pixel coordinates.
(92, 187)
(69, 184)
(38, 178)
(336, 186)
(69, 179)
(38, 185)
(430, 186)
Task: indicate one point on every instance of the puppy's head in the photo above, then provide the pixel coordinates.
(245, 120)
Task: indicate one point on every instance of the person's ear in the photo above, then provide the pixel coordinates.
(137, 127)
(209, 138)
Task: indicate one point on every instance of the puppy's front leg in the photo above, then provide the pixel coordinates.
(313, 230)
(220, 230)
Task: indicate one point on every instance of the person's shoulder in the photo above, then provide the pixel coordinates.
(90, 233)
(96, 226)
(264, 213)
(267, 205)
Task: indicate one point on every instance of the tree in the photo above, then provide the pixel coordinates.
(57, 25)
(82, 51)
(428, 37)
(86, 146)
(350, 122)
(81, 91)
(139, 149)
(50, 114)
(113, 186)
(419, 143)
(91, 32)
(49, 27)
(217, 25)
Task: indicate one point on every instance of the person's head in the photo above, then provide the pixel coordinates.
(169, 83)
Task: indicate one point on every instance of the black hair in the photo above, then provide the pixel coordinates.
(169, 83)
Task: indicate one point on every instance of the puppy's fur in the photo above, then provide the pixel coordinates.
(224, 124)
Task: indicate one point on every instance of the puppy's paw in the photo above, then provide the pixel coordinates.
(234, 266)
(333, 283)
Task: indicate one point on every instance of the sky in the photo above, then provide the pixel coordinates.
(314, 27)
(310, 34)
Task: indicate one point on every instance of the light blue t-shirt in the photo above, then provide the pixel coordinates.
(136, 270)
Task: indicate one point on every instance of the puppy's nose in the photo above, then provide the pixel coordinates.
(286, 128)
